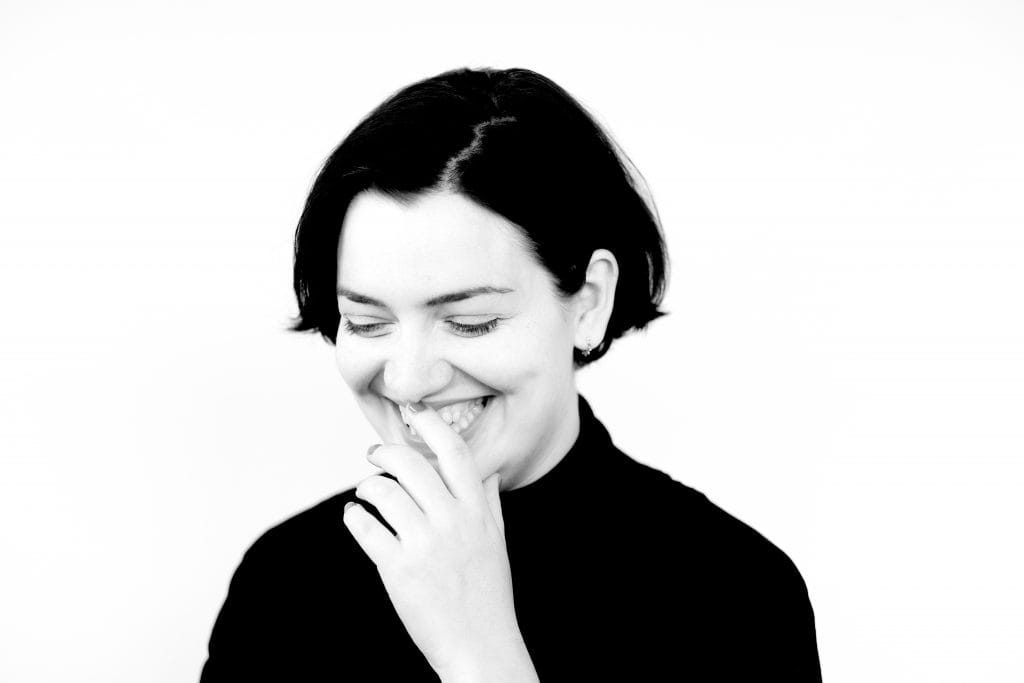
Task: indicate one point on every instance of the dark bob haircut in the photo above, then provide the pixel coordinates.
(515, 143)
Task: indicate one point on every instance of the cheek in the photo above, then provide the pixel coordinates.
(531, 356)
(357, 369)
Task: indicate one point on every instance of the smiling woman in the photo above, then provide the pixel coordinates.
(470, 245)
(488, 323)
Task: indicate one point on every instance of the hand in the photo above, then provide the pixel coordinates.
(447, 570)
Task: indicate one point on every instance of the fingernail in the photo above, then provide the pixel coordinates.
(348, 505)
(371, 449)
(416, 407)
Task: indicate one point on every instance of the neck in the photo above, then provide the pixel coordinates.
(567, 430)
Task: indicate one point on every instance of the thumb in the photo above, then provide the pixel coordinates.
(491, 488)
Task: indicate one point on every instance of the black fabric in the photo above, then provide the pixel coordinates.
(619, 573)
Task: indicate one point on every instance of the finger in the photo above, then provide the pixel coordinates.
(457, 466)
(416, 475)
(492, 487)
(394, 504)
(376, 541)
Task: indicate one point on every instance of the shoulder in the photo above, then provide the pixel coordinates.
(315, 533)
(747, 587)
(286, 594)
(724, 544)
(728, 534)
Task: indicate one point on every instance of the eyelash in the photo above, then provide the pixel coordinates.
(469, 330)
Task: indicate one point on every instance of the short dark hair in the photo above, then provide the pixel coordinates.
(512, 141)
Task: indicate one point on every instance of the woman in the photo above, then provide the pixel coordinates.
(469, 246)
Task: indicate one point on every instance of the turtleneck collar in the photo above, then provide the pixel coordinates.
(592, 449)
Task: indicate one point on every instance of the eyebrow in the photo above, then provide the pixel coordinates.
(358, 298)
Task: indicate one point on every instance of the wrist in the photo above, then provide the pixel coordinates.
(510, 663)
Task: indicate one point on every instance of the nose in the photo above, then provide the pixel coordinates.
(414, 371)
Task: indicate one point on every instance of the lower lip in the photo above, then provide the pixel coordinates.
(465, 433)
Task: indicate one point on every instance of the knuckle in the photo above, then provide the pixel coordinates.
(402, 454)
(383, 453)
(375, 486)
(388, 454)
(364, 486)
(394, 456)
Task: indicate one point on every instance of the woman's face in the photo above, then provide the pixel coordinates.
(513, 345)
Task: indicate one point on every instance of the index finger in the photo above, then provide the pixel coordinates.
(458, 468)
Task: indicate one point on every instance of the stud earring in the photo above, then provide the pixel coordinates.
(590, 346)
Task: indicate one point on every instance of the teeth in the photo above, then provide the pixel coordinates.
(464, 423)
(458, 416)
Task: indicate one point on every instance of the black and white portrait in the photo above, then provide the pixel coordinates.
(540, 342)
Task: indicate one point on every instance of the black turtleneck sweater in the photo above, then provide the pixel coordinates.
(618, 571)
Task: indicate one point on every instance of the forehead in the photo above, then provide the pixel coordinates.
(437, 240)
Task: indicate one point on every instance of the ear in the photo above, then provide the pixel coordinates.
(595, 300)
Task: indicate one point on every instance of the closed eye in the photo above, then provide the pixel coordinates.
(475, 330)
(464, 330)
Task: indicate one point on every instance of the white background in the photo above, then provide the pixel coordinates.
(842, 189)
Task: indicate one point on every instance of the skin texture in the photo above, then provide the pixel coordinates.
(447, 570)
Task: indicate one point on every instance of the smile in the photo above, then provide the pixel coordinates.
(459, 416)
